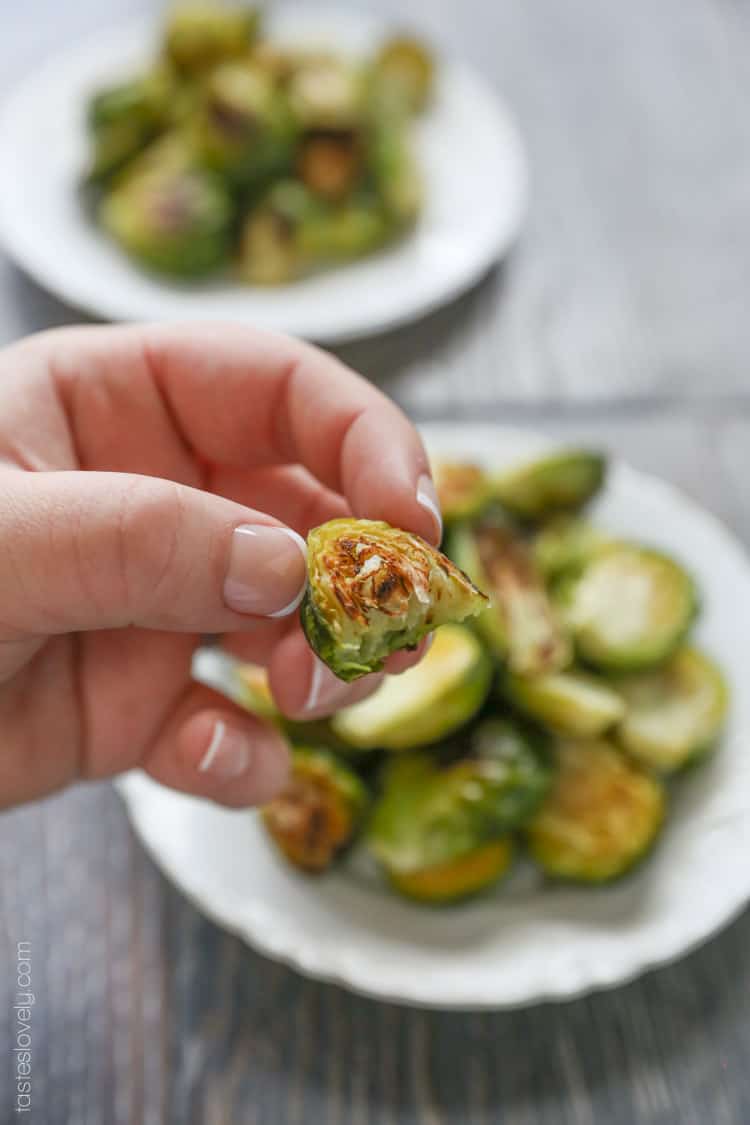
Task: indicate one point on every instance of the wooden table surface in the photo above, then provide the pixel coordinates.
(622, 318)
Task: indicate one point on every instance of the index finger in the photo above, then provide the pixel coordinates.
(243, 397)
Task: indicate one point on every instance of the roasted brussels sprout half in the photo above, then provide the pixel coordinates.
(433, 824)
(172, 220)
(456, 879)
(629, 608)
(521, 624)
(462, 489)
(404, 70)
(319, 813)
(330, 161)
(569, 702)
(124, 118)
(200, 34)
(395, 172)
(601, 816)
(374, 589)
(565, 543)
(425, 704)
(243, 127)
(291, 231)
(675, 712)
(562, 482)
(273, 247)
(326, 93)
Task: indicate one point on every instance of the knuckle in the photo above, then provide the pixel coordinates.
(149, 524)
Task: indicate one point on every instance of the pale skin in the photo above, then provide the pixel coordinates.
(129, 457)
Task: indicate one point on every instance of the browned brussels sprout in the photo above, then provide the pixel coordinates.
(601, 816)
(273, 246)
(570, 702)
(404, 71)
(628, 608)
(123, 119)
(675, 712)
(374, 589)
(463, 490)
(200, 34)
(566, 543)
(243, 127)
(326, 93)
(561, 482)
(394, 170)
(329, 161)
(173, 220)
(319, 814)
(440, 829)
(521, 625)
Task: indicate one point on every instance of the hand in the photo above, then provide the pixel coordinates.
(154, 485)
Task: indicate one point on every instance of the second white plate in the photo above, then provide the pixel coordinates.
(469, 148)
(527, 941)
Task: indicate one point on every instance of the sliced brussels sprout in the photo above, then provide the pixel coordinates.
(346, 230)
(123, 119)
(675, 712)
(463, 489)
(457, 879)
(433, 819)
(243, 127)
(329, 161)
(395, 172)
(601, 816)
(273, 242)
(425, 703)
(319, 813)
(404, 69)
(326, 93)
(374, 589)
(565, 543)
(569, 702)
(521, 624)
(172, 220)
(255, 690)
(629, 608)
(201, 33)
(561, 482)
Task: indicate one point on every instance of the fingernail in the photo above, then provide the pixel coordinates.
(228, 753)
(267, 571)
(427, 497)
(326, 692)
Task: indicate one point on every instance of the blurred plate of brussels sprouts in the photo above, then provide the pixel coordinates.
(299, 167)
(537, 807)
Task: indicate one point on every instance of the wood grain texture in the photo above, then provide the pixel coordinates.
(621, 320)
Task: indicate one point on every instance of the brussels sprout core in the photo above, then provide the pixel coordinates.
(374, 589)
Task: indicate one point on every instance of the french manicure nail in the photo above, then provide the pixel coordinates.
(267, 570)
(326, 690)
(427, 497)
(228, 753)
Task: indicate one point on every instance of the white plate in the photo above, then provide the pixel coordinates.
(526, 942)
(468, 145)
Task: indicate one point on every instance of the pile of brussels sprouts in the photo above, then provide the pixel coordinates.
(550, 724)
(232, 153)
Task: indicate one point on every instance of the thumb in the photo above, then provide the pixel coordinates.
(86, 550)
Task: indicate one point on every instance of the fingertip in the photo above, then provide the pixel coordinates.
(305, 688)
(236, 760)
